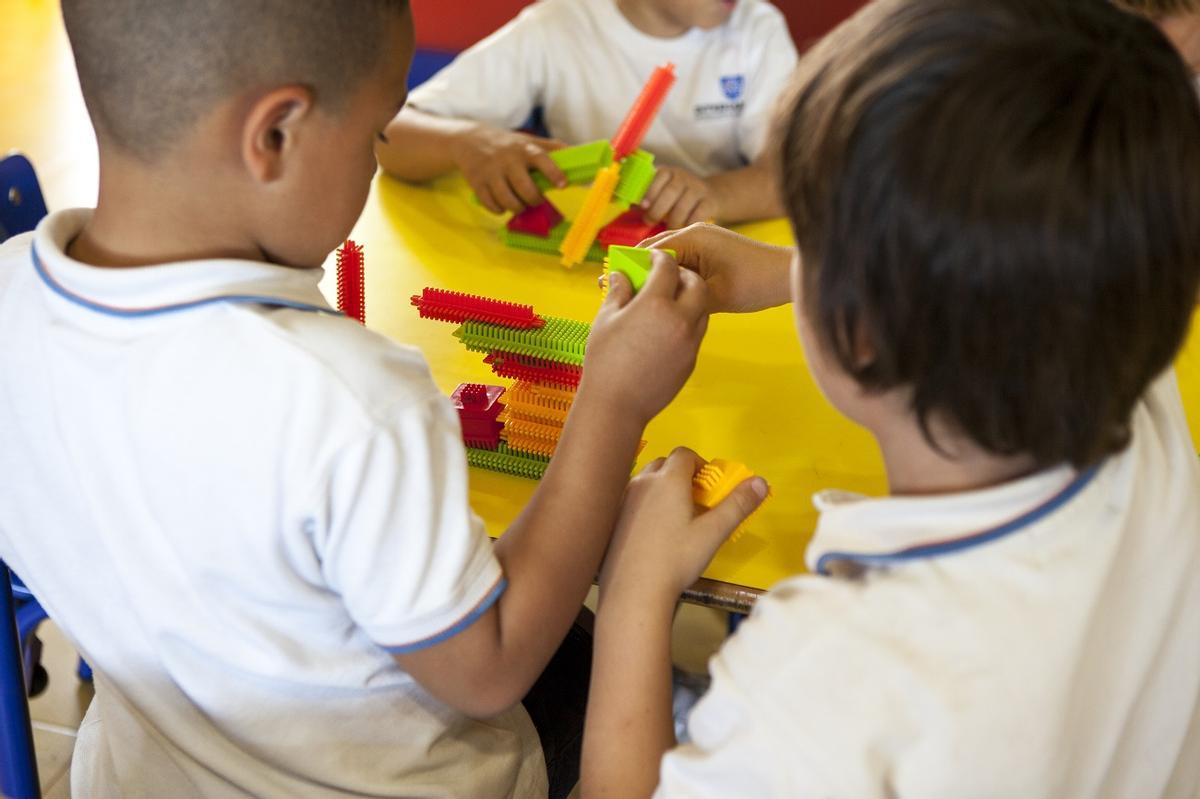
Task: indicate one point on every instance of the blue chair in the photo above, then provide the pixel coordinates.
(21, 202)
(18, 764)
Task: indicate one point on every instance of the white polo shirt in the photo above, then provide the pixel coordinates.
(584, 64)
(1037, 639)
(235, 501)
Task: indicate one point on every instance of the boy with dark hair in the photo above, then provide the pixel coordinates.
(247, 512)
(997, 221)
(1179, 20)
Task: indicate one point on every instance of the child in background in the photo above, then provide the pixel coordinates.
(248, 512)
(997, 262)
(1179, 20)
(583, 62)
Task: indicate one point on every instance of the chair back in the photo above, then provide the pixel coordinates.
(21, 203)
(18, 764)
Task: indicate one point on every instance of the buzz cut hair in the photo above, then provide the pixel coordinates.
(149, 69)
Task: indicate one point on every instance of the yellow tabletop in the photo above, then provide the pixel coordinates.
(750, 399)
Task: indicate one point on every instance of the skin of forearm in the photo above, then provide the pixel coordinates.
(552, 552)
(629, 726)
(420, 146)
(746, 194)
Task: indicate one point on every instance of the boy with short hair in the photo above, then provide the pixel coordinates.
(248, 512)
(997, 260)
(583, 62)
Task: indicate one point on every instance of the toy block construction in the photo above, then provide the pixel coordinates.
(617, 171)
(542, 355)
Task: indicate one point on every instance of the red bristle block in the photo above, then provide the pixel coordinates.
(351, 296)
(454, 306)
(629, 229)
(536, 220)
(645, 108)
(477, 401)
(537, 370)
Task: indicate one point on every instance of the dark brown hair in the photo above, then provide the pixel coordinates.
(150, 68)
(1158, 8)
(1002, 200)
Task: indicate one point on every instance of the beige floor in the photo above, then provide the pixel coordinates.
(58, 711)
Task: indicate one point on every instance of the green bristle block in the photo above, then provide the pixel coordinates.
(580, 163)
(559, 340)
(502, 459)
(549, 245)
(637, 173)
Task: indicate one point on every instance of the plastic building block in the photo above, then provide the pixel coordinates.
(580, 163)
(560, 340)
(629, 229)
(454, 306)
(550, 245)
(531, 429)
(634, 263)
(536, 220)
(536, 369)
(477, 398)
(534, 445)
(637, 173)
(505, 460)
(645, 108)
(532, 401)
(583, 232)
(351, 290)
(479, 413)
(716, 480)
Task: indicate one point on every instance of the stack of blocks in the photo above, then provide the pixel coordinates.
(543, 355)
(616, 170)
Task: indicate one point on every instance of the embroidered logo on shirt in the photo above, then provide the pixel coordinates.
(733, 86)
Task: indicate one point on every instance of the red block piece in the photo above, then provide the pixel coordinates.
(629, 229)
(537, 370)
(536, 220)
(645, 108)
(454, 306)
(478, 408)
(351, 291)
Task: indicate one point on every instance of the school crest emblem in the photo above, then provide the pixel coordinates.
(733, 86)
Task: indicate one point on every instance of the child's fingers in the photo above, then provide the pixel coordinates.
(484, 193)
(548, 144)
(693, 295)
(523, 185)
(656, 187)
(720, 522)
(504, 195)
(682, 463)
(684, 209)
(664, 275)
(543, 163)
(666, 200)
(620, 292)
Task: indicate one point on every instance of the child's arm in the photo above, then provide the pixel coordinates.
(742, 275)
(661, 546)
(678, 198)
(496, 162)
(639, 354)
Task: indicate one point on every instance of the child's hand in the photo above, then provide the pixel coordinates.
(678, 198)
(663, 541)
(742, 274)
(496, 164)
(642, 349)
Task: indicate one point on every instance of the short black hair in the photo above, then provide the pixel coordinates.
(151, 68)
(1003, 198)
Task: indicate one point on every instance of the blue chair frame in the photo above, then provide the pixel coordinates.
(21, 203)
(18, 763)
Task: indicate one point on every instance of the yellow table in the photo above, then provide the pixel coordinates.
(750, 398)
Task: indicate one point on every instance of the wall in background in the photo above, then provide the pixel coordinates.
(456, 24)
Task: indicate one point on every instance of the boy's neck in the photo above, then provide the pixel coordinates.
(650, 20)
(153, 215)
(916, 468)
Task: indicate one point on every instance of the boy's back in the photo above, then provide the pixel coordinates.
(1048, 651)
(203, 470)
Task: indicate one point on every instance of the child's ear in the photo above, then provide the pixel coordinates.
(271, 129)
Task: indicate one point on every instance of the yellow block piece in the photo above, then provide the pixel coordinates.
(523, 443)
(716, 480)
(583, 231)
(519, 425)
(525, 399)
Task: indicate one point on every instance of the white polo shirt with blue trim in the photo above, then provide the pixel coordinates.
(583, 63)
(1036, 639)
(235, 501)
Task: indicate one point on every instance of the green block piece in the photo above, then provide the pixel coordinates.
(559, 340)
(637, 173)
(580, 163)
(634, 263)
(549, 245)
(502, 459)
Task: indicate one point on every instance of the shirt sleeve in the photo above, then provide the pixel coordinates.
(777, 59)
(498, 81)
(411, 562)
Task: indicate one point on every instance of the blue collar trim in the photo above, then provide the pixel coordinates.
(133, 313)
(951, 546)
